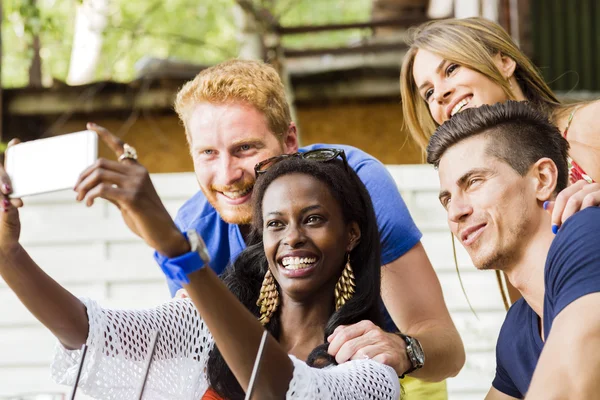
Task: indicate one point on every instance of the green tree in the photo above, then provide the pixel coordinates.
(200, 31)
(322, 12)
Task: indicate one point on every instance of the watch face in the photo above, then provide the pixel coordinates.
(417, 352)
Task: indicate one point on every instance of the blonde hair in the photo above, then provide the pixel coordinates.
(251, 82)
(469, 42)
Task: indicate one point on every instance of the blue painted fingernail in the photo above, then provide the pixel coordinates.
(554, 228)
(546, 204)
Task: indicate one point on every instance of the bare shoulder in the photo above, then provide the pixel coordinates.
(585, 128)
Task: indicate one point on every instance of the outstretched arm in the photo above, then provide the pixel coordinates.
(235, 330)
(49, 302)
(237, 334)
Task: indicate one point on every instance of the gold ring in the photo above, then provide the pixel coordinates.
(128, 152)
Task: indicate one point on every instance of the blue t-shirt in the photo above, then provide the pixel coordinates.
(572, 271)
(225, 242)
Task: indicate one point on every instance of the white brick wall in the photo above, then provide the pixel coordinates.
(92, 253)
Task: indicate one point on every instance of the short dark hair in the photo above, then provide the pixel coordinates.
(520, 136)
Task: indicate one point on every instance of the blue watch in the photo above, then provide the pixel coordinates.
(177, 268)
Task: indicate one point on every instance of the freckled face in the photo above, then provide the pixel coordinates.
(227, 141)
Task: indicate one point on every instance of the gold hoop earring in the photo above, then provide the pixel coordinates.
(268, 300)
(344, 288)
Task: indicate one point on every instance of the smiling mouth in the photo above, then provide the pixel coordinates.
(460, 105)
(237, 194)
(470, 237)
(294, 263)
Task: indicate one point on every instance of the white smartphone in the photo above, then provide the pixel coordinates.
(48, 165)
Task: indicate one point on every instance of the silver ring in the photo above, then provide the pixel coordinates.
(128, 152)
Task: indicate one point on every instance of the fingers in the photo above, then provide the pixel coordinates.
(574, 198)
(352, 349)
(549, 206)
(586, 197)
(591, 199)
(377, 345)
(561, 202)
(6, 185)
(112, 141)
(102, 164)
(105, 191)
(346, 336)
(366, 352)
(13, 142)
(96, 177)
(6, 204)
(181, 294)
(9, 224)
(17, 203)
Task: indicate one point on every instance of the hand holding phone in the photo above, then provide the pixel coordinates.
(51, 164)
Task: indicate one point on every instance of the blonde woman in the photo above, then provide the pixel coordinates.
(456, 64)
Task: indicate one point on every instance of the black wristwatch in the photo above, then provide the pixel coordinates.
(415, 353)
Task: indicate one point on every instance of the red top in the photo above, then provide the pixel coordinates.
(210, 394)
(576, 173)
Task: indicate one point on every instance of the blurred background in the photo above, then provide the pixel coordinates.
(119, 63)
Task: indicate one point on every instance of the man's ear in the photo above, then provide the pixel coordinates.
(354, 236)
(545, 175)
(290, 140)
(505, 64)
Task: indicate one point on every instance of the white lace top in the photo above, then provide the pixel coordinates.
(119, 340)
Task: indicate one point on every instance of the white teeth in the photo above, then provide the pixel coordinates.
(298, 262)
(459, 106)
(237, 194)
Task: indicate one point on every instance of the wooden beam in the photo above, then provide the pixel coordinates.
(367, 48)
(402, 22)
(364, 88)
(46, 102)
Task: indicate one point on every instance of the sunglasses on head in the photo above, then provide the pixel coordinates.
(321, 155)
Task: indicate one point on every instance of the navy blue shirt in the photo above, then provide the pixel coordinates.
(396, 227)
(572, 271)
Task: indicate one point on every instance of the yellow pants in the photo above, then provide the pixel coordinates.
(415, 389)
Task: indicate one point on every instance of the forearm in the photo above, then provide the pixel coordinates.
(443, 347)
(55, 307)
(558, 380)
(413, 296)
(567, 369)
(569, 364)
(237, 334)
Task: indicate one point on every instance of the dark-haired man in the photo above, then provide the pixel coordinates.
(498, 166)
